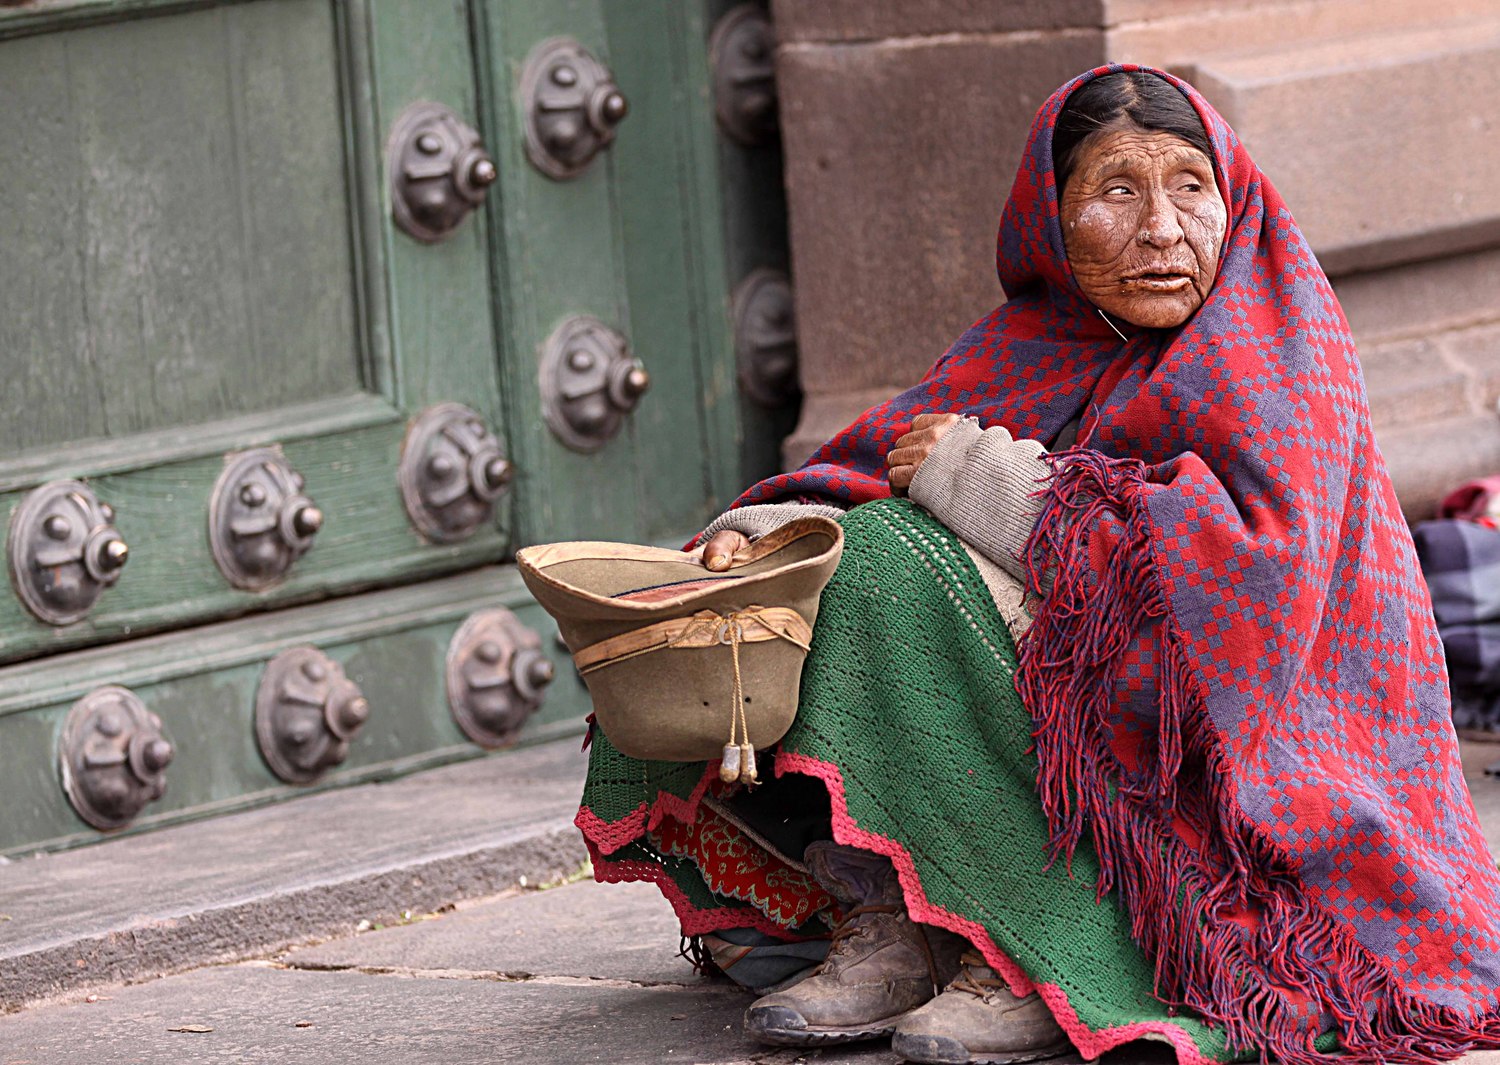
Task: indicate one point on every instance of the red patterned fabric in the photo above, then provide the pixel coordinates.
(1236, 681)
(735, 867)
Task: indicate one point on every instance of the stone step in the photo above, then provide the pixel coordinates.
(252, 883)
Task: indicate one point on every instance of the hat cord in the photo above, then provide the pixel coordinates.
(737, 763)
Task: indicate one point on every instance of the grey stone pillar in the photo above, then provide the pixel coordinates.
(903, 124)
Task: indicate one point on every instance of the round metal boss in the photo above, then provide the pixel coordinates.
(438, 171)
(112, 757)
(259, 522)
(452, 472)
(306, 714)
(589, 382)
(497, 676)
(64, 551)
(571, 106)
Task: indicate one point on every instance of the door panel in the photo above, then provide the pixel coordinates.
(558, 249)
(180, 246)
(607, 243)
(204, 261)
(203, 683)
(674, 276)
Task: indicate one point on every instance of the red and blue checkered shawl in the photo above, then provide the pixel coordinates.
(1237, 686)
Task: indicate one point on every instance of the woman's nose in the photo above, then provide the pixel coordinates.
(1159, 225)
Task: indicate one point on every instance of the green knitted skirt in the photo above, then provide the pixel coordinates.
(910, 718)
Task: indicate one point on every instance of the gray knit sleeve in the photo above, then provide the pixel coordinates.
(757, 520)
(979, 483)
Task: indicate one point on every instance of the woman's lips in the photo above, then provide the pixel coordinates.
(1154, 282)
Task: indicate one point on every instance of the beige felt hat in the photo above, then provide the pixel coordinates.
(685, 664)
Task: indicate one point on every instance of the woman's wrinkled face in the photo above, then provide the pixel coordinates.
(1142, 222)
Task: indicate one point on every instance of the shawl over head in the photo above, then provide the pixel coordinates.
(1237, 685)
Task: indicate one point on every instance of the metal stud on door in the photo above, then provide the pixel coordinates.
(497, 677)
(590, 382)
(572, 107)
(742, 53)
(452, 472)
(439, 171)
(113, 757)
(306, 714)
(64, 551)
(765, 338)
(259, 522)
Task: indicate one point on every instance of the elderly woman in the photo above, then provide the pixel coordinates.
(1152, 466)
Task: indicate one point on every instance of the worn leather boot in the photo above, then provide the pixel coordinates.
(977, 1021)
(879, 965)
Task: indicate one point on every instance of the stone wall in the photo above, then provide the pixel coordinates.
(1378, 120)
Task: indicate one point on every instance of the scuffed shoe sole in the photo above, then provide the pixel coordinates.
(780, 1026)
(941, 1050)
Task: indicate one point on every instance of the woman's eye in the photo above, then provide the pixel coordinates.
(1116, 190)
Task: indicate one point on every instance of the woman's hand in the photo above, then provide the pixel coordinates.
(721, 548)
(913, 448)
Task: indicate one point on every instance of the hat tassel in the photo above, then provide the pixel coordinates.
(738, 760)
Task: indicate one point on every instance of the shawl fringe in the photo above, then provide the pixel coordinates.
(1219, 907)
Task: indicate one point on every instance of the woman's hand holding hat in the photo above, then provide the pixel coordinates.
(719, 552)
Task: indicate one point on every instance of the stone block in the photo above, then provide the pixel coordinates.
(1410, 381)
(899, 158)
(823, 415)
(1422, 299)
(1477, 352)
(1168, 33)
(862, 20)
(1429, 459)
(1372, 139)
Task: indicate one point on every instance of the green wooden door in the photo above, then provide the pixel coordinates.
(201, 260)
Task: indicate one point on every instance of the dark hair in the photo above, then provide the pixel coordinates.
(1120, 101)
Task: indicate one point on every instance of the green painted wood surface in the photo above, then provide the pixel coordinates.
(233, 161)
(202, 684)
(176, 235)
(171, 580)
(651, 240)
(616, 242)
(674, 264)
(444, 340)
(746, 193)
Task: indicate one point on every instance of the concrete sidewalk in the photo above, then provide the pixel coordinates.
(581, 973)
(253, 882)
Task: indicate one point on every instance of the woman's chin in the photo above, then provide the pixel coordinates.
(1165, 310)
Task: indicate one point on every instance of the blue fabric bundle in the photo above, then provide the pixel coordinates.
(1461, 561)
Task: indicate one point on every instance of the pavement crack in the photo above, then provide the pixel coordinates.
(498, 976)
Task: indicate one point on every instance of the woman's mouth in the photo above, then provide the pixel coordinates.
(1153, 281)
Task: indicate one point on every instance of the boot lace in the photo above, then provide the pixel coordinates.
(847, 929)
(970, 981)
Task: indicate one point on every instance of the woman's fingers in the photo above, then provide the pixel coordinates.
(906, 456)
(912, 448)
(720, 549)
(927, 421)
